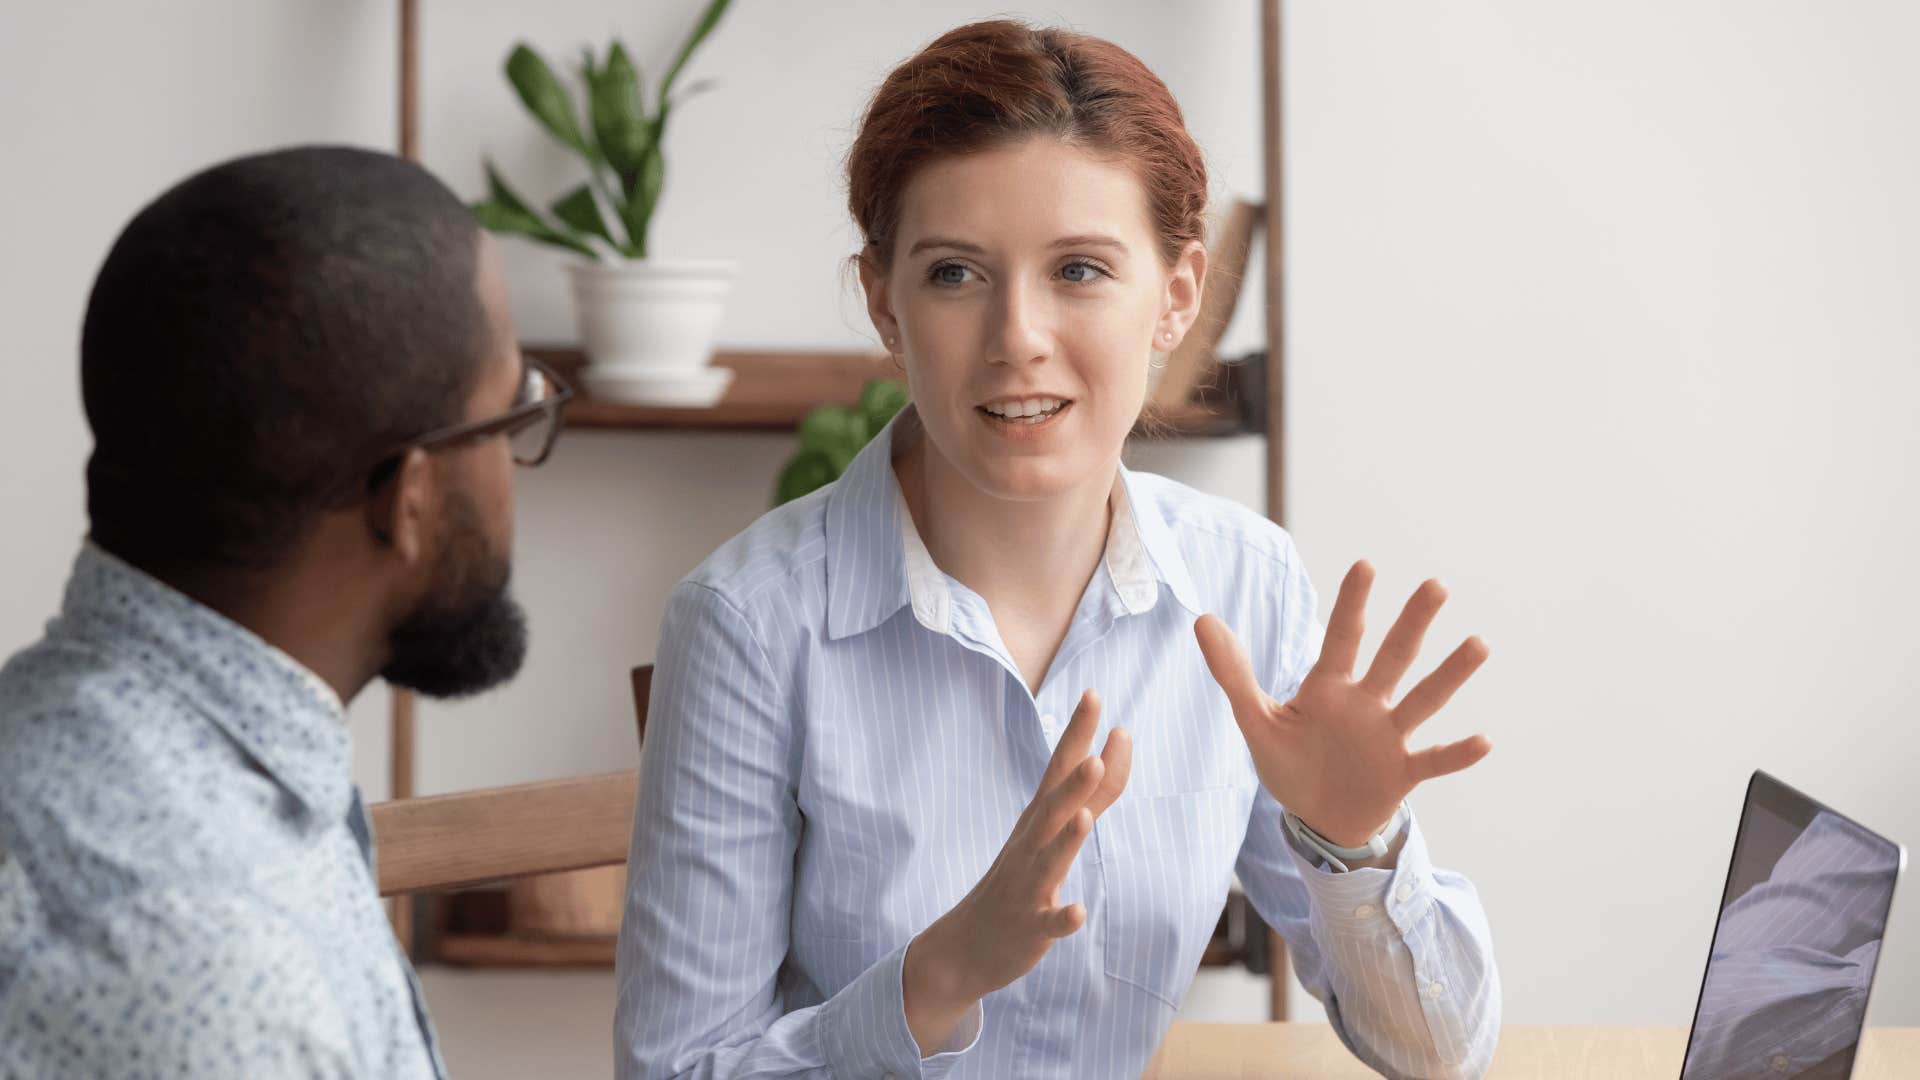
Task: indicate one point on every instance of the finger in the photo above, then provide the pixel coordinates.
(1118, 758)
(1450, 758)
(1341, 645)
(1057, 807)
(1432, 692)
(1231, 668)
(1058, 854)
(1402, 643)
(1075, 743)
(1063, 921)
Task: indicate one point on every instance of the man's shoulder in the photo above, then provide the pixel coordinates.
(185, 978)
(111, 783)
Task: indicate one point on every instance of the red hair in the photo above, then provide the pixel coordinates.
(993, 83)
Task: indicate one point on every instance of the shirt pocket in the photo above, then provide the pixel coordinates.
(1166, 863)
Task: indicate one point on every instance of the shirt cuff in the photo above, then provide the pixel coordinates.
(1368, 901)
(866, 1032)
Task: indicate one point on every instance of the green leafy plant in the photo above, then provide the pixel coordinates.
(831, 435)
(620, 144)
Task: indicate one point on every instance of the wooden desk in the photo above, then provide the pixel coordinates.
(1282, 1051)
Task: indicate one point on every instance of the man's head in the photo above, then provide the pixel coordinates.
(264, 346)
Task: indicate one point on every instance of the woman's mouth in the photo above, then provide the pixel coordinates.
(1026, 411)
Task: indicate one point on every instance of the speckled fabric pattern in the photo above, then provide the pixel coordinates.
(186, 880)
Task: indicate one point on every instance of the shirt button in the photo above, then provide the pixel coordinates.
(1435, 989)
(1364, 911)
(1405, 892)
(1781, 1063)
(1049, 722)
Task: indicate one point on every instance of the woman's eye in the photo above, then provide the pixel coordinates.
(949, 274)
(1087, 272)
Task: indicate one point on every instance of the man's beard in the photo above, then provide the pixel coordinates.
(468, 634)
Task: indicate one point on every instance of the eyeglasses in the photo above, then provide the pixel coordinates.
(531, 425)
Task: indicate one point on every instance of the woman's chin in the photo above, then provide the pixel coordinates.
(1036, 479)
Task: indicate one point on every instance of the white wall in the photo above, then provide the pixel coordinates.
(1601, 313)
(1606, 313)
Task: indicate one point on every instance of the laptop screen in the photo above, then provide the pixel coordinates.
(1793, 956)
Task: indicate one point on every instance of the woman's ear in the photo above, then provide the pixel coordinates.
(397, 513)
(1185, 287)
(873, 281)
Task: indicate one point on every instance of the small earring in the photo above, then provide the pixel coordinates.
(1167, 337)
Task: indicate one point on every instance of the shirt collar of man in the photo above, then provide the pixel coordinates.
(280, 713)
(878, 564)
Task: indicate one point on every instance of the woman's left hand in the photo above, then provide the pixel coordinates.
(1336, 755)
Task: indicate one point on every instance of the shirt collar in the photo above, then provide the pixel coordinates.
(878, 564)
(282, 714)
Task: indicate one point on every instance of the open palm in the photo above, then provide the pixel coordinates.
(1336, 754)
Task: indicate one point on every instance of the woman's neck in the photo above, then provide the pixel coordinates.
(1030, 561)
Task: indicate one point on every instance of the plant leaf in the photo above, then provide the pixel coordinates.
(499, 217)
(578, 209)
(498, 191)
(617, 112)
(638, 211)
(547, 99)
(807, 472)
(708, 20)
(834, 430)
(880, 399)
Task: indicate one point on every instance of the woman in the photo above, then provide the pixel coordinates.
(865, 844)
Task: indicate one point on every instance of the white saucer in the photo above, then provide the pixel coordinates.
(695, 388)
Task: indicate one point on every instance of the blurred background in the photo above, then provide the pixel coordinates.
(1609, 315)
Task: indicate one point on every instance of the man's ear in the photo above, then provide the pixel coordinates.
(873, 281)
(397, 513)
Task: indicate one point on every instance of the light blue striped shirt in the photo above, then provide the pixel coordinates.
(839, 744)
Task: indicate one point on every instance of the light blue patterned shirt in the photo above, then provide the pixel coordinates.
(186, 886)
(839, 744)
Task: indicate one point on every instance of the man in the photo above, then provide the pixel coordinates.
(307, 401)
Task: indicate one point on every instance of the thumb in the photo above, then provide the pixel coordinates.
(1065, 920)
(1231, 668)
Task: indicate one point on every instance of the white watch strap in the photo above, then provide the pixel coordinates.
(1338, 856)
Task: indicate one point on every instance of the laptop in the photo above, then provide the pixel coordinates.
(1797, 942)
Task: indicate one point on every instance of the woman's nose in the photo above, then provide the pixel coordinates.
(1022, 335)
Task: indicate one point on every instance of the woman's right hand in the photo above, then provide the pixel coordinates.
(1002, 928)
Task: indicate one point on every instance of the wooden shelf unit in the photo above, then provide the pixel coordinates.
(772, 390)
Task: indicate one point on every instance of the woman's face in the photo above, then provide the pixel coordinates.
(1026, 295)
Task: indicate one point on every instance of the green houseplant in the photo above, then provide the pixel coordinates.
(831, 435)
(646, 323)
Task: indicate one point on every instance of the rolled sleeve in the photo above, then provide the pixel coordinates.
(1369, 901)
(1401, 957)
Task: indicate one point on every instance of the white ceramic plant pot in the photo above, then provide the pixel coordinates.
(648, 328)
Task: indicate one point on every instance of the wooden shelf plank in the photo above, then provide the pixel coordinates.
(771, 391)
(507, 950)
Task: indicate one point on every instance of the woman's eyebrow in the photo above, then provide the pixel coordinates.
(930, 242)
(1089, 240)
(1076, 240)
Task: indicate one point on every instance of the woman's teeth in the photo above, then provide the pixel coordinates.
(1028, 411)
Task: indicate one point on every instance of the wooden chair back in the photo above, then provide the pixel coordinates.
(491, 834)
